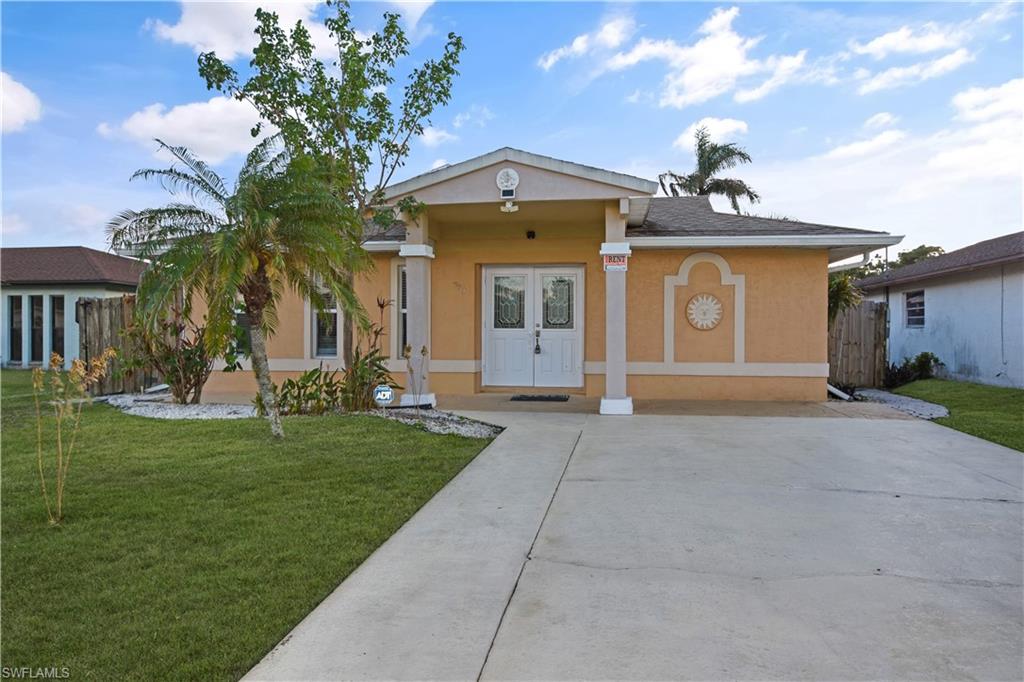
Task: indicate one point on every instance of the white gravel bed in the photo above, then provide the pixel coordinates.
(160, 407)
(912, 406)
(439, 421)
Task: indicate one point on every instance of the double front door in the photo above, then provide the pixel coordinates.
(533, 326)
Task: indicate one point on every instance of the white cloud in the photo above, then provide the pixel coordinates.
(85, 215)
(899, 76)
(20, 105)
(931, 36)
(433, 137)
(477, 115)
(980, 104)
(883, 119)
(213, 130)
(639, 95)
(720, 130)
(713, 65)
(783, 70)
(12, 224)
(952, 187)
(865, 147)
(227, 27)
(612, 33)
(439, 163)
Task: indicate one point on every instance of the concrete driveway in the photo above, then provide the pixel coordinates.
(586, 547)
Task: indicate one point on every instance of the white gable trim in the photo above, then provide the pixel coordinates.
(630, 182)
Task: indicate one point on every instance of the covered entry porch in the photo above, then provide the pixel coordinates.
(505, 303)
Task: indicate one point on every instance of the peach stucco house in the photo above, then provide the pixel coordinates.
(527, 274)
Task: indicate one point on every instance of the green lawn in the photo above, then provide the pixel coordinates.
(191, 548)
(989, 412)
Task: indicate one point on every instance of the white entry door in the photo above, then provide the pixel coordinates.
(533, 326)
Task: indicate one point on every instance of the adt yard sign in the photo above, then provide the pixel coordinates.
(614, 262)
(383, 395)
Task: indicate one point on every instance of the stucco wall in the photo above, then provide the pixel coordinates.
(786, 306)
(784, 325)
(71, 296)
(974, 323)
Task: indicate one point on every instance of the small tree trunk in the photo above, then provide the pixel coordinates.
(261, 368)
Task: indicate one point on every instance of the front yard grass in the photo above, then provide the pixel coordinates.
(990, 412)
(190, 548)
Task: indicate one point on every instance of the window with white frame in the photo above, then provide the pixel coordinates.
(243, 329)
(402, 309)
(914, 306)
(325, 327)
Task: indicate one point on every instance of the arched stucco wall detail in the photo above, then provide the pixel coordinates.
(727, 278)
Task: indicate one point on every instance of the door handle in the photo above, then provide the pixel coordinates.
(536, 341)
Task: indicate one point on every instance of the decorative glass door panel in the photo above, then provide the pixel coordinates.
(533, 332)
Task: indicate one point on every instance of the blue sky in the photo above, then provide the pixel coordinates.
(904, 117)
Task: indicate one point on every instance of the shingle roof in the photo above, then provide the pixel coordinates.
(694, 216)
(1003, 249)
(67, 265)
(374, 233)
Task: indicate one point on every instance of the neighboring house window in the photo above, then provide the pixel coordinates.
(57, 325)
(915, 308)
(37, 328)
(14, 325)
(402, 303)
(325, 328)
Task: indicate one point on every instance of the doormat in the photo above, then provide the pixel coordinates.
(524, 397)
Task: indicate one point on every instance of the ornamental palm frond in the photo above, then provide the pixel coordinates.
(279, 228)
(842, 294)
(712, 159)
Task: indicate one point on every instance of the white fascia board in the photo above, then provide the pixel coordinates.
(382, 246)
(840, 245)
(414, 250)
(615, 249)
(454, 170)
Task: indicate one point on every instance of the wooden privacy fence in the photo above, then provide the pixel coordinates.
(856, 346)
(101, 324)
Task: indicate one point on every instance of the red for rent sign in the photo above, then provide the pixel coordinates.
(614, 263)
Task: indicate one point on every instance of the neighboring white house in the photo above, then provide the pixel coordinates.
(39, 287)
(965, 306)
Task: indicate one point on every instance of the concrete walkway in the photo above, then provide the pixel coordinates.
(650, 547)
(427, 603)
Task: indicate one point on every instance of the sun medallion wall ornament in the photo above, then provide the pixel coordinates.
(704, 312)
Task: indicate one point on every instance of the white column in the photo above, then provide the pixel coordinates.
(5, 332)
(70, 328)
(615, 400)
(26, 329)
(417, 254)
(47, 329)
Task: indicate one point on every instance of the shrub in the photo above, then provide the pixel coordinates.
(176, 349)
(314, 392)
(366, 371)
(922, 366)
(67, 391)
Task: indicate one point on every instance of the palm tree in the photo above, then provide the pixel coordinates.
(280, 227)
(712, 159)
(842, 294)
